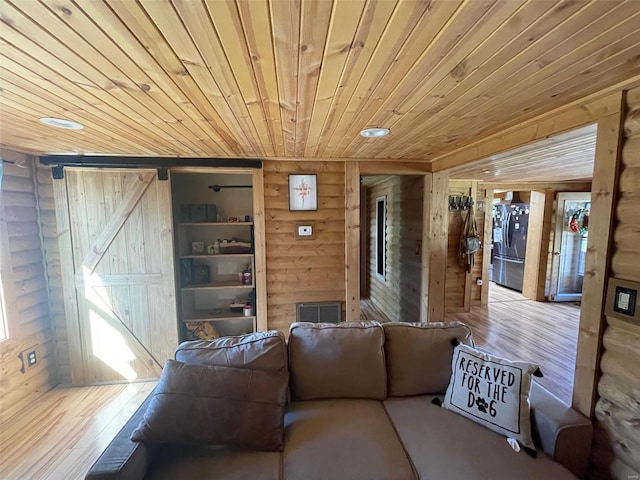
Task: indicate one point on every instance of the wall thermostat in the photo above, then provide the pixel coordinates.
(304, 231)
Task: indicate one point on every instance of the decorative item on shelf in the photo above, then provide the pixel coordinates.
(303, 192)
(460, 202)
(237, 306)
(234, 219)
(248, 310)
(197, 248)
(201, 274)
(234, 245)
(202, 331)
(247, 275)
(247, 218)
(197, 212)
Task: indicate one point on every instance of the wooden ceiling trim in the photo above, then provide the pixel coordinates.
(207, 70)
(43, 57)
(224, 35)
(256, 26)
(442, 58)
(45, 29)
(515, 34)
(536, 78)
(38, 88)
(569, 117)
(31, 109)
(285, 24)
(24, 123)
(345, 21)
(313, 37)
(159, 88)
(571, 66)
(407, 22)
(496, 73)
(124, 48)
(35, 83)
(372, 25)
(132, 29)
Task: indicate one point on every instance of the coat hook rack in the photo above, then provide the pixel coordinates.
(460, 202)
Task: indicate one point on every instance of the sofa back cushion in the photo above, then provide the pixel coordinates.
(344, 360)
(258, 351)
(419, 356)
(213, 405)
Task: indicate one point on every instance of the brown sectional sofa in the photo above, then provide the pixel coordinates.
(361, 409)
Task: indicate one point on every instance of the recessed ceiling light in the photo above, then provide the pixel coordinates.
(374, 132)
(62, 123)
(486, 171)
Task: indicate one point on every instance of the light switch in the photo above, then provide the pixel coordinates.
(305, 230)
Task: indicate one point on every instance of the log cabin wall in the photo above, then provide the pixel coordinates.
(44, 185)
(616, 450)
(302, 270)
(462, 290)
(398, 295)
(31, 327)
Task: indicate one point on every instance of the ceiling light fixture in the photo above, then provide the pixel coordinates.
(374, 132)
(61, 123)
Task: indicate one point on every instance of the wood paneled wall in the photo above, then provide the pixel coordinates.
(617, 443)
(398, 295)
(462, 290)
(32, 323)
(303, 270)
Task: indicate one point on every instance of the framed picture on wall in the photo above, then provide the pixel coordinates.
(303, 191)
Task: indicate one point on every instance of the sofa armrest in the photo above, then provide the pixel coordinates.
(124, 459)
(563, 433)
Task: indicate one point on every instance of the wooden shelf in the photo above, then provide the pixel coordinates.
(210, 224)
(217, 286)
(217, 255)
(226, 315)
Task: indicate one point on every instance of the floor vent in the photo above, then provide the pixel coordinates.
(319, 312)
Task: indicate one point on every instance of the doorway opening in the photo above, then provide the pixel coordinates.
(391, 247)
(537, 203)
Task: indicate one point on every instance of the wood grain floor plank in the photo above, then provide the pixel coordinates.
(61, 434)
(521, 329)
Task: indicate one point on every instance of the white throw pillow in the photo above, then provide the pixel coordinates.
(492, 391)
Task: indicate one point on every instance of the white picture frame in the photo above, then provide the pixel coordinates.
(303, 192)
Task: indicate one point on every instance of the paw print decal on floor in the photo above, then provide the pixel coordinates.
(482, 404)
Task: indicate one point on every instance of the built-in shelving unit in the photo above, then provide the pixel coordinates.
(210, 280)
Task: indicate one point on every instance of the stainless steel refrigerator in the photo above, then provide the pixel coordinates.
(509, 247)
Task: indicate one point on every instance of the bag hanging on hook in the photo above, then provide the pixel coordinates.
(469, 240)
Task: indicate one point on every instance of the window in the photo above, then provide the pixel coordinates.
(381, 237)
(4, 269)
(3, 323)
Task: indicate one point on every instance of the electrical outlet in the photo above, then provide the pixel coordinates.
(479, 281)
(32, 358)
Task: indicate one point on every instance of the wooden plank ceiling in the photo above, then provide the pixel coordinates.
(566, 157)
(298, 79)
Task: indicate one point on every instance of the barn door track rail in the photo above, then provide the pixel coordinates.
(58, 162)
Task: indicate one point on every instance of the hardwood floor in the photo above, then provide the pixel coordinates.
(369, 311)
(521, 329)
(63, 432)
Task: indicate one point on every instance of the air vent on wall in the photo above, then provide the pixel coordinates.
(319, 312)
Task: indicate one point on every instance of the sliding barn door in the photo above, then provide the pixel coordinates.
(116, 247)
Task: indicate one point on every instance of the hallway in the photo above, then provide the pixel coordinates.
(517, 328)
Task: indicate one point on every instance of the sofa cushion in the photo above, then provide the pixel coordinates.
(492, 391)
(216, 406)
(344, 360)
(259, 351)
(442, 444)
(180, 462)
(342, 439)
(419, 356)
